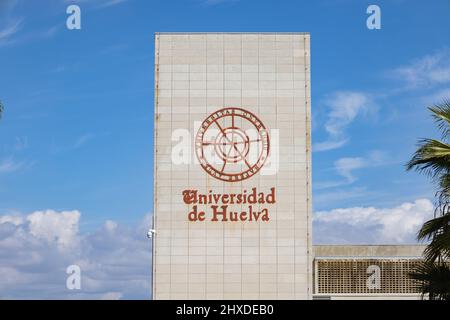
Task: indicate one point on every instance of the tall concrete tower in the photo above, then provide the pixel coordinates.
(232, 166)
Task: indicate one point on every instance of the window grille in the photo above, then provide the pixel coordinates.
(350, 276)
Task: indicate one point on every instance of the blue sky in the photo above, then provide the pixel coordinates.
(76, 135)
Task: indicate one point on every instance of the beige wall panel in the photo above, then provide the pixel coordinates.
(266, 75)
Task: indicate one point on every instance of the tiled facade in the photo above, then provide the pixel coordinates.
(268, 75)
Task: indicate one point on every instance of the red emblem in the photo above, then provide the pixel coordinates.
(232, 144)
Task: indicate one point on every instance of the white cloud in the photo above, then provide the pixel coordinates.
(110, 225)
(9, 165)
(52, 226)
(9, 30)
(346, 167)
(98, 3)
(9, 24)
(111, 3)
(336, 142)
(112, 296)
(437, 97)
(13, 219)
(36, 249)
(81, 141)
(344, 107)
(52, 31)
(215, 2)
(430, 70)
(340, 194)
(372, 225)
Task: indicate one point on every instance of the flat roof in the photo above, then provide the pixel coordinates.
(368, 251)
(233, 32)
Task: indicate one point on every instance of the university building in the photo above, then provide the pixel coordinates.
(232, 180)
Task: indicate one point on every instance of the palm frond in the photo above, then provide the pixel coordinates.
(444, 182)
(433, 279)
(441, 114)
(439, 247)
(431, 157)
(431, 227)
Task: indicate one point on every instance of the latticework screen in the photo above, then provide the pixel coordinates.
(354, 276)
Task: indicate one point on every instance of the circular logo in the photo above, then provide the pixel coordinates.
(232, 144)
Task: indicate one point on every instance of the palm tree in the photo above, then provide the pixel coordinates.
(433, 279)
(432, 157)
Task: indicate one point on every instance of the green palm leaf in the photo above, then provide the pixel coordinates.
(433, 226)
(432, 157)
(433, 279)
(441, 114)
(439, 247)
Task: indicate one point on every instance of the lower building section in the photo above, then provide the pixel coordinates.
(365, 272)
(350, 272)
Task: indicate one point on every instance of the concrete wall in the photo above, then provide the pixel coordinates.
(268, 75)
